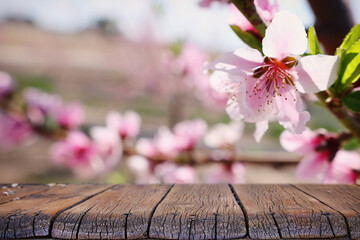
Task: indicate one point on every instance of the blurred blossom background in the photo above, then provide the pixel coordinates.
(140, 55)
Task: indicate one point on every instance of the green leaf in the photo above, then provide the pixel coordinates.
(314, 45)
(352, 144)
(350, 65)
(352, 101)
(349, 40)
(247, 38)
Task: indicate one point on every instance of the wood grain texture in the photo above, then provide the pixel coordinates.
(31, 216)
(343, 198)
(10, 192)
(281, 211)
(198, 212)
(119, 213)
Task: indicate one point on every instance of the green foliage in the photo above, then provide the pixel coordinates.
(314, 45)
(40, 82)
(350, 64)
(177, 47)
(352, 101)
(349, 40)
(349, 53)
(247, 38)
(352, 144)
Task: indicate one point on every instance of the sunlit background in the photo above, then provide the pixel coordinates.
(109, 55)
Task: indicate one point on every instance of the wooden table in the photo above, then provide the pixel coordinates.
(180, 211)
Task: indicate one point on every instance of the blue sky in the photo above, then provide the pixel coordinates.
(180, 19)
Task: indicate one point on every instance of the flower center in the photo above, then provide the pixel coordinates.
(275, 74)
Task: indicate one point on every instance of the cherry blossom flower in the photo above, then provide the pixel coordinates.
(108, 145)
(14, 130)
(168, 145)
(79, 153)
(189, 133)
(323, 160)
(269, 86)
(225, 173)
(170, 172)
(162, 146)
(126, 125)
(224, 135)
(70, 116)
(40, 105)
(7, 85)
(140, 167)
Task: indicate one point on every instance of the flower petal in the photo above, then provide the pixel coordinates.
(238, 63)
(350, 159)
(222, 82)
(339, 173)
(312, 166)
(298, 143)
(285, 36)
(261, 128)
(316, 73)
(290, 112)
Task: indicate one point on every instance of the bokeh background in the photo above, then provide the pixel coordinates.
(109, 54)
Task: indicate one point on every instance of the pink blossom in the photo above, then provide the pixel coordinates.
(189, 133)
(224, 135)
(14, 130)
(269, 86)
(40, 105)
(207, 3)
(170, 172)
(126, 125)
(7, 85)
(108, 146)
(140, 167)
(163, 145)
(225, 173)
(323, 160)
(70, 116)
(75, 150)
(188, 65)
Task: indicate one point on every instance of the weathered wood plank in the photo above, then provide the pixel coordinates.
(121, 212)
(198, 212)
(31, 216)
(343, 198)
(281, 211)
(10, 192)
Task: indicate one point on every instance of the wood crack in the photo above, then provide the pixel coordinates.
(154, 209)
(272, 214)
(344, 217)
(242, 208)
(80, 221)
(71, 206)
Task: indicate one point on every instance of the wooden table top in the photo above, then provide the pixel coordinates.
(218, 211)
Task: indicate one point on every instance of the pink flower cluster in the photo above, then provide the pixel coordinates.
(43, 107)
(145, 170)
(14, 129)
(100, 152)
(323, 159)
(160, 158)
(168, 145)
